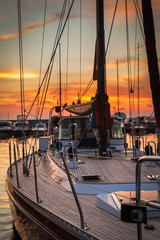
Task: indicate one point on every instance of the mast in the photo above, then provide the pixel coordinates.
(60, 92)
(138, 86)
(117, 89)
(152, 62)
(101, 74)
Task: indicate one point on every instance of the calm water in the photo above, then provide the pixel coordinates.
(6, 226)
(5, 215)
(6, 230)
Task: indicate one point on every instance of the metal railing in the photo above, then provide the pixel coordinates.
(83, 224)
(138, 186)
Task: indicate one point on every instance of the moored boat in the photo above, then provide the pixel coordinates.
(21, 127)
(5, 129)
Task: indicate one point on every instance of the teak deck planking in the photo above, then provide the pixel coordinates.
(61, 202)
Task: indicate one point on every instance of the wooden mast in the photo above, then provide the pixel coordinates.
(152, 62)
(101, 74)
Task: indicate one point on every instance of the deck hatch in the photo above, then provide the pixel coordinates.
(91, 177)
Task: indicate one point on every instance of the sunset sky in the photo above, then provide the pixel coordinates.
(32, 14)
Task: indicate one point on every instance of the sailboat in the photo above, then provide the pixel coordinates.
(80, 188)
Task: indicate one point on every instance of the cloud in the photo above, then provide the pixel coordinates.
(31, 26)
(14, 74)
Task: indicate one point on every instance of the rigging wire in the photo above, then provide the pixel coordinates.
(140, 19)
(128, 59)
(52, 56)
(46, 85)
(50, 70)
(21, 59)
(40, 71)
(21, 75)
(80, 42)
(67, 56)
(49, 67)
(135, 64)
(111, 27)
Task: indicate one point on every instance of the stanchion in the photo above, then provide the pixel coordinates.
(15, 161)
(10, 159)
(35, 177)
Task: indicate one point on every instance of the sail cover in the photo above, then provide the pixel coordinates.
(81, 109)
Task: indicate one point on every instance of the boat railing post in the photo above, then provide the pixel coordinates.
(15, 161)
(18, 149)
(138, 184)
(72, 163)
(143, 142)
(133, 140)
(74, 125)
(35, 176)
(10, 159)
(125, 141)
(65, 145)
(24, 171)
(150, 147)
(50, 120)
(83, 224)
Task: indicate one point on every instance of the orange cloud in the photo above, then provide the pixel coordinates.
(15, 74)
(29, 27)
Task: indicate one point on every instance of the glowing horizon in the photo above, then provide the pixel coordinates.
(32, 28)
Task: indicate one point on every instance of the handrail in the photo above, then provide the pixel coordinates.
(83, 224)
(138, 184)
(138, 173)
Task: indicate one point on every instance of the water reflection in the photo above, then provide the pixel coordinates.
(14, 234)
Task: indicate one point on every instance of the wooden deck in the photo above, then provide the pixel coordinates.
(60, 202)
(116, 169)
